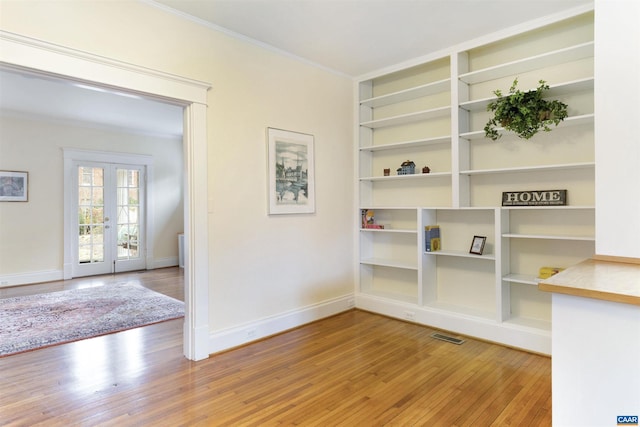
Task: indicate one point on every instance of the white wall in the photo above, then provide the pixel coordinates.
(617, 110)
(31, 234)
(596, 343)
(260, 266)
(595, 369)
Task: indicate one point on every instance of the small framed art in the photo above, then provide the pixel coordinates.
(477, 245)
(291, 172)
(14, 186)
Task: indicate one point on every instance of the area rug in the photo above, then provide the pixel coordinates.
(35, 321)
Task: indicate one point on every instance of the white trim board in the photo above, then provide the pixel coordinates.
(239, 335)
(36, 56)
(501, 333)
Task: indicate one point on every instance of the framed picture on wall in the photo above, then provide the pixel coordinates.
(291, 172)
(14, 186)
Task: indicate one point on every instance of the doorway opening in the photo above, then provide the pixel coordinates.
(35, 56)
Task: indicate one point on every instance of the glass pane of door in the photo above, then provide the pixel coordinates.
(128, 213)
(91, 248)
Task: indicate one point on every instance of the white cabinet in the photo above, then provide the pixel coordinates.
(433, 114)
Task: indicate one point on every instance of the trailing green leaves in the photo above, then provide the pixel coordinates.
(525, 113)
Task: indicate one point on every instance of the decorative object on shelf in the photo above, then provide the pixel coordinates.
(291, 172)
(426, 169)
(432, 238)
(368, 220)
(477, 245)
(387, 172)
(14, 186)
(407, 168)
(535, 198)
(524, 113)
(546, 272)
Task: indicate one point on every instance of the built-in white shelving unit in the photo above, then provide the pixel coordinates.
(433, 113)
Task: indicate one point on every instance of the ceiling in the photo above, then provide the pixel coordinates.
(355, 37)
(21, 94)
(349, 37)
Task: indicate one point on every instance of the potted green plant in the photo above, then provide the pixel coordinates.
(524, 113)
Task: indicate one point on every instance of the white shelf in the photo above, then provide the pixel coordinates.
(565, 166)
(408, 94)
(391, 296)
(556, 57)
(554, 91)
(525, 279)
(446, 288)
(408, 118)
(408, 144)
(461, 310)
(585, 119)
(406, 177)
(381, 262)
(549, 237)
(391, 208)
(566, 207)
(461, 254)
(530, 323)
(388, 230)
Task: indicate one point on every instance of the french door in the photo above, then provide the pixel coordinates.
(109, 226)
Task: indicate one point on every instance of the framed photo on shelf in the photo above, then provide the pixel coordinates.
(14, 186)
(477, 245)
(291, 172)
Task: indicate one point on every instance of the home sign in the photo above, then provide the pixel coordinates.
(535, 198)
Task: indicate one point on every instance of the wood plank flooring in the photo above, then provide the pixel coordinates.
(353, 369)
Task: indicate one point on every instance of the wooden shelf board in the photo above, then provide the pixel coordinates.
(603, 280)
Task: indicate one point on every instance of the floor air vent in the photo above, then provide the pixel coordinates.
(447, 338)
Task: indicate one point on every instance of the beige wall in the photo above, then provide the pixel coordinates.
(260, 266)
(31, 234)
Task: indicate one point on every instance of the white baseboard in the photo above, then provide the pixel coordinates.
(510, 335)
(252, 331)
(162, 263)
(30, 277)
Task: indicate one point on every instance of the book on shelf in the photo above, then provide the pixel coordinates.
(432, 238)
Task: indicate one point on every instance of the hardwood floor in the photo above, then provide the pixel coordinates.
(353, 369)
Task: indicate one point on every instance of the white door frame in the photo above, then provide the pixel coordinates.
(24, 53)
(72, 155)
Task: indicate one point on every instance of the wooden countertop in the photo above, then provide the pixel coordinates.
(602, 278)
